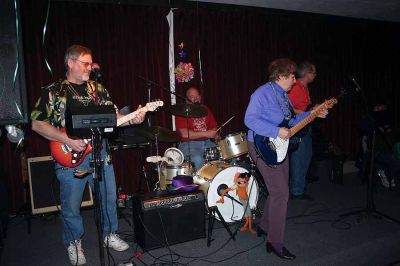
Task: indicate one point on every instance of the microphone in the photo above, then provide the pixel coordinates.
(221, 188)
(96, 70)
(353, 79)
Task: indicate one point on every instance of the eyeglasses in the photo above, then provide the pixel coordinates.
(85, 64)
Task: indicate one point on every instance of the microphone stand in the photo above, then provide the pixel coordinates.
(370, 209)
(150, 82)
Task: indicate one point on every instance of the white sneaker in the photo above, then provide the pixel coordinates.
(115, 242)
(75, 253)
(385, 180)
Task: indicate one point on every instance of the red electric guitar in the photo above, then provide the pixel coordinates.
(67, 157)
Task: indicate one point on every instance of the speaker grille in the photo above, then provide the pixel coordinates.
(45, 187)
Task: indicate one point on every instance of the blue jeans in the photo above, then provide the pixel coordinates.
(197, 149)
(299, 162)
(71, 193)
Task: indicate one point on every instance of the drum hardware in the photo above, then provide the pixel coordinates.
(163, 134)
(212, 154)
(154, 133)
(188, 110)
(160, 134)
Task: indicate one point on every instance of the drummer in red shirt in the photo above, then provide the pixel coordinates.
(300, 158)
(201, 131)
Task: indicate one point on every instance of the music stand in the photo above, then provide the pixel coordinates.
(93, 122)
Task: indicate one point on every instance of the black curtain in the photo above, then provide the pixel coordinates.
(236, 44)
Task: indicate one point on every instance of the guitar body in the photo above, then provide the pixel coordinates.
(65, 156)
(272, 151)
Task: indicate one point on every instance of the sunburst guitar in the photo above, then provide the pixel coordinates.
(67, 157)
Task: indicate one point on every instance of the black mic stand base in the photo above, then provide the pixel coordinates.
(211, 220)
(370, 210)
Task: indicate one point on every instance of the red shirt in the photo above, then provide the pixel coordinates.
(196, 124)
(299, 96)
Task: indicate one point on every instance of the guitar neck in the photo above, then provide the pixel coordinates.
(328, 104)
(126, 118)
(299, 126)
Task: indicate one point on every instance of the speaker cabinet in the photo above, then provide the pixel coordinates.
(167, 219)
(45, 187)
(13, 98)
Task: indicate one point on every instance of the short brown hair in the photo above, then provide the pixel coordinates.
(74, 51)
(281, 67)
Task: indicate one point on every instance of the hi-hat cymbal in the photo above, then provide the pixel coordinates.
(188, 110)
(163, 134)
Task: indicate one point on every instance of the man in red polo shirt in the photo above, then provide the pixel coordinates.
(300, 158)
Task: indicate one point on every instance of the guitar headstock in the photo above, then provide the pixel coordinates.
(330, 103)
(152, 106)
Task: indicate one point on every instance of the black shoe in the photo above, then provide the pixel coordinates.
(283, 254)
(260, 231)
(301, 197)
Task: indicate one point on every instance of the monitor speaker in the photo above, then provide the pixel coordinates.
(167, 219)
(45, 187)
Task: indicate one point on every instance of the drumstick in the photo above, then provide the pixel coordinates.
(229, 120)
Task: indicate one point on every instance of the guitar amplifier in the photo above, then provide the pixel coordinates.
(166, 219)
(45, 187)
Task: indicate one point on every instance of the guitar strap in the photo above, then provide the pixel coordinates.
(285, 106)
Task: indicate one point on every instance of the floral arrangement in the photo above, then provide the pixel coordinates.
(184, 72)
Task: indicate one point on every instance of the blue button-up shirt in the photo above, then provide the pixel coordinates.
(264, 114)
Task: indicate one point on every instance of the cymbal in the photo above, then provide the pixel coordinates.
(163, 134)
(188, 110)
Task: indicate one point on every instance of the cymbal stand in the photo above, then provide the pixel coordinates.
(188, 137)
(161, 180)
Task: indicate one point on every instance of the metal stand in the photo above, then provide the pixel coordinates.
(188, 139)
(97, 165)
(211, 220)
(370, 209)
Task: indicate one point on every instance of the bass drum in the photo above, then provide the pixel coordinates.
(213, 177)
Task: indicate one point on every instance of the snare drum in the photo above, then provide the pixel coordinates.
(212, 154)
(170, 171)
(213, 177)
(233, 145)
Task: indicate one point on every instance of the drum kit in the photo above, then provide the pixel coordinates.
(215, 175)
